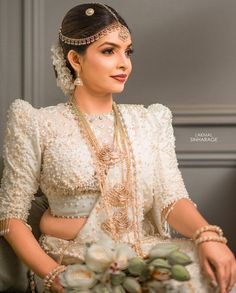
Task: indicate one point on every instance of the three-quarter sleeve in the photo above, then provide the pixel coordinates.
(22, 163)
(169, 186)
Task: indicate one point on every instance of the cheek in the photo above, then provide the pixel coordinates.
(100, 68)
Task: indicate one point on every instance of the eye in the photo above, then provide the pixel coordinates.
(129, 52)
(108, 51)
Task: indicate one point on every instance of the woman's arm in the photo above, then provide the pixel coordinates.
(216, 258)
(185, 218)
(20, 181)
(28, 249)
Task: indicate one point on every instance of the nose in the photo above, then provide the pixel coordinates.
(123, 61)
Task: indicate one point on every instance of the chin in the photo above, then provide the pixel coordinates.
(117, 90)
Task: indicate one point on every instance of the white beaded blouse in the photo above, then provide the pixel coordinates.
(44, 148)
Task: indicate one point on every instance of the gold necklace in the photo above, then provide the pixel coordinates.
(119, 196)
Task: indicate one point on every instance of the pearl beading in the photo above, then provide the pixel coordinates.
(211, 238)
(60, 162)
(206, 228)
(49, 279)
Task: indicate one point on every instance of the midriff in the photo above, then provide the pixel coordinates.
(64, 228)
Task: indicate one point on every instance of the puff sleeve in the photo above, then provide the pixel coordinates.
(22, 161)
(169, 186)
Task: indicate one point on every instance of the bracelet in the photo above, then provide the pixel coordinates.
(212, 228)
(49, 279)
(211, 238)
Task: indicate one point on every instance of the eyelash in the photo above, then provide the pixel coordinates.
(129, 52)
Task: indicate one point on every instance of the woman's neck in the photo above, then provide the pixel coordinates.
(93, 103)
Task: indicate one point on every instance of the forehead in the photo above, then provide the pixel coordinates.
(113, 37)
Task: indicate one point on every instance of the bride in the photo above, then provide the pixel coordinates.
(109, 170)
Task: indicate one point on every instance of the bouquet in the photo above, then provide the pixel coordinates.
(118, 269)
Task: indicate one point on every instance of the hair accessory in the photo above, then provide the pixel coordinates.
(65, 79)
(123, 35)
(123, 31)
(108, 9)
(89, 11)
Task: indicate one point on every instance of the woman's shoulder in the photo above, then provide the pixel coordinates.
(46, 120)
(20, 106)
(20, 113)
(159, 110)
(156, 109)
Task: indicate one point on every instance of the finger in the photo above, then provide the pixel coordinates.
(230, 277)
(233, 276)
(208, 270)
(228, 268)
(220, 272)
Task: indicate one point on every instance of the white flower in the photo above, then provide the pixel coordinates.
(98, 258)
(64, 77)
(78, 276)
(123, 253)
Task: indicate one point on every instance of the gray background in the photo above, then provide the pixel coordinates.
(185, 58)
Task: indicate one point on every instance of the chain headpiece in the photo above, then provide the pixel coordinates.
(123, 31)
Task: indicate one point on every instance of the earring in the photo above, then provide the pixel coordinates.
(78, 81)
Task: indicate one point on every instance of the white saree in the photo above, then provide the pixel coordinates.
(44, 148)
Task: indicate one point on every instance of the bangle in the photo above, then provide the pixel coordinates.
(211, 238)
(212, 228)
(49, 279)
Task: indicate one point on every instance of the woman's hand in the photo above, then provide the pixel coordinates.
(56, 286)
(219, 264)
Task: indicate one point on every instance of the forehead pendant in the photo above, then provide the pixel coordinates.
(89, 11)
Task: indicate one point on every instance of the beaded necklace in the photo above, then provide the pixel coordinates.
(120, 197)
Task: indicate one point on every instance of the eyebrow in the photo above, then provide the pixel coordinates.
(113, 44)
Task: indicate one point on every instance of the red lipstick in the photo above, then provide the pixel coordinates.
(120, 77)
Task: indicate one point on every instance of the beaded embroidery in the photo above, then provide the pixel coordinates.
(62, 164)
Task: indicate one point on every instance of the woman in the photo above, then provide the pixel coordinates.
(109, 171)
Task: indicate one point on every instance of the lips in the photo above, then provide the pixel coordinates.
(120, 77)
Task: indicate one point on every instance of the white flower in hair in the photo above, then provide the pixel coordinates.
(64, 77)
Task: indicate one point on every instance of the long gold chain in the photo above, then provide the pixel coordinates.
(137, 243)
(120, 194)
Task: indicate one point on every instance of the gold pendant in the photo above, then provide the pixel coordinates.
(107, 155)
(117, 225)
(118, 196)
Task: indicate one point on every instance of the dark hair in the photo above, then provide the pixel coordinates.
(76, 24)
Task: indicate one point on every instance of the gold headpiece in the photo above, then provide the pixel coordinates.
(123, 31)
(89, 11)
